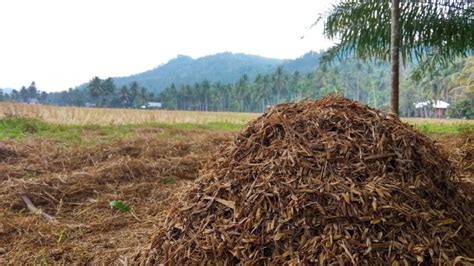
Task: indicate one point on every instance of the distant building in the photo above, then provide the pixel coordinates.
(32, 101)
(90, 105)
(151, 105)
(435, 109)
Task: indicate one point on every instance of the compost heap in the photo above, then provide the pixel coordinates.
(326, 181)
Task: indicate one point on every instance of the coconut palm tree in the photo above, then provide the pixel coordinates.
(95, 89)
(431, 32)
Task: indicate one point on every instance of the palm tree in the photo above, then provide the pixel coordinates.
(296, 86)
(395, 54)
(196, 96)
(95, 89)
(135, 94)
(124, 96)
(187, 95)
(241, 90)
(143, 96)
(432, 32)
(263, 88)
(205, 87)
(174, 96)
(32, 91)
(280, 82)
(108, 91)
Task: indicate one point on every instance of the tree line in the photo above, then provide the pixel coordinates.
(97, 92)
(25, 94)
(353, 79)
(104, 93)
(368, 82)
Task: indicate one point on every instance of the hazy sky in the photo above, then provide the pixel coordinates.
(61, 44)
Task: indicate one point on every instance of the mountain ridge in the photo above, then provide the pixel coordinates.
(225, 67)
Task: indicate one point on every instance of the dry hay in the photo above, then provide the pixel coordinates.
(75, 186)
(329, 181)
(6, 153)
(461, 156)
(461, 153)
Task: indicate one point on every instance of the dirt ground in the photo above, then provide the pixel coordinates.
(74, 186)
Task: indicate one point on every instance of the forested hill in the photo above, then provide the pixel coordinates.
(223, 67)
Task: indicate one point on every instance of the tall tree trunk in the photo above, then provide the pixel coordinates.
(395, 53)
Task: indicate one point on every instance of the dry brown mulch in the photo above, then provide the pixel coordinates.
(461, 153)
(6, 153)
(326, 181)
(75, 186)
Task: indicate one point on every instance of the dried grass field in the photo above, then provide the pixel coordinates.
(101, 116)
(109, 116)
(71, 174)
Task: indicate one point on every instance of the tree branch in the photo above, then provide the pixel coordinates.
(37, 211)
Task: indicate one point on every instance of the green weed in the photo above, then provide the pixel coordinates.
(167, 180)
(119, 205)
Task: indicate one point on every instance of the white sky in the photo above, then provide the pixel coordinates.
(63, 43)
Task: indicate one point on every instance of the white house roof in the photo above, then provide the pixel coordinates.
(33, 100)
(154, 104)
(441, 104)
(421, 104)
(435, 104)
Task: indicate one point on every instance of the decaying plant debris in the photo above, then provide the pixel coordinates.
(55, 197)
(461, 153)
(327, 181)
(6, 153)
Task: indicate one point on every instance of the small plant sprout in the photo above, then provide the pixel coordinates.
(60, 238)
(167, 180)
(119, 205)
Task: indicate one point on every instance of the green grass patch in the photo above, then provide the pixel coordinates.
(225, 126)
(22, 127)
(167, 180)
(212, 125)
(444, 128)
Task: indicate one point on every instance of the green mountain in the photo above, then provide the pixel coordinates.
(223, 67)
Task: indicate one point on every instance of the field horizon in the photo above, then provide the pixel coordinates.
(88, 115)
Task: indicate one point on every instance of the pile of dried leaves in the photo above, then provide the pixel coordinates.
(461, 153)
(327, 181)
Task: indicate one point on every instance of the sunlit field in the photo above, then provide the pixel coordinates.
(109, 116)
(105, 116)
